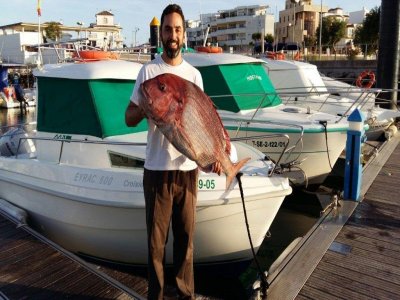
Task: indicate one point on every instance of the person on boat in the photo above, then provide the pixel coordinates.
(170, 178)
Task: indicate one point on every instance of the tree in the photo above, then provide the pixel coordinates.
(332, 31)
(310, 41)
(256, 36)
(53, 31)
(367, 35)
(269, 38)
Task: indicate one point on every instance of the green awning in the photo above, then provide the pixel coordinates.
(86, 107)
(236, 87)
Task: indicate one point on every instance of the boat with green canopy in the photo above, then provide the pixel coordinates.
(79, 177)
(249, 105)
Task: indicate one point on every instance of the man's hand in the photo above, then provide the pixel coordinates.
(133, 114)
(216, 168)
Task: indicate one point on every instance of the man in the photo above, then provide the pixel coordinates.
(170, 178)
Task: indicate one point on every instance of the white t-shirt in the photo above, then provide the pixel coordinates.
(160, 153)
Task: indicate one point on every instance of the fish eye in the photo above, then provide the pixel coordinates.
(162, 87)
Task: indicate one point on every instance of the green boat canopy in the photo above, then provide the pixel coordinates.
(93, 107)
(236, 87)
(86, 98)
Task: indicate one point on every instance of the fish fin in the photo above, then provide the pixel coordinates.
(236, 169)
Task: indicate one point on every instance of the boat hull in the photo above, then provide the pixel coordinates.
(108, 223)
(312, 149)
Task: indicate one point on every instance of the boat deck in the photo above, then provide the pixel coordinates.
(31, 267)
(353, 251)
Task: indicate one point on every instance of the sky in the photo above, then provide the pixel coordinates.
(136, 15)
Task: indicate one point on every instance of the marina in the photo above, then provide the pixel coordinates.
(292, 234)
(306, 206)
(320, 248)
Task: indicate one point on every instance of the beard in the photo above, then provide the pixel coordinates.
(169, 51)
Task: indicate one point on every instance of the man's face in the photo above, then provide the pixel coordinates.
(172, 35)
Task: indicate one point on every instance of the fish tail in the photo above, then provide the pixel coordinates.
(232, 174)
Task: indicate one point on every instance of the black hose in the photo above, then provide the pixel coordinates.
(325, 124)
(264, 283)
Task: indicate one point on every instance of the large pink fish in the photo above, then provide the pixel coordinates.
(188, 119)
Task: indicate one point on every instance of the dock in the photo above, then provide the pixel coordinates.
(32, 267)
(350, 253)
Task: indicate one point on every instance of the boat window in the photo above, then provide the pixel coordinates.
(125, 161)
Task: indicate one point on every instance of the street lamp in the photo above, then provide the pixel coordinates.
(80, 24)
(134, 32)
(294, 16)
(320, 32)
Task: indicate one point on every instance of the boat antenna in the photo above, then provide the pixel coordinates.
(39, 56)
(206, 36)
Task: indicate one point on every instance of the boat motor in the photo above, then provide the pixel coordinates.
(15, 140)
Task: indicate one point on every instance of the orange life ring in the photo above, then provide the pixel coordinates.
(209, 49)
(94, 55)
(366, 79)
(275, 55)
(9, 92)
(271, 55)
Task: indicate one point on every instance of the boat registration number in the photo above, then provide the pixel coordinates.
(206, 184)
(268, 144)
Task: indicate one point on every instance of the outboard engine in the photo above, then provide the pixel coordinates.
(10, 140)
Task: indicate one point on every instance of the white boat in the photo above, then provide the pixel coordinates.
(249, 105)
(80, 176)
(8, 98)
(301, 84)
(8, 93)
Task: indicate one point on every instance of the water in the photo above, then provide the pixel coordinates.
(15, 116)
(297, 215)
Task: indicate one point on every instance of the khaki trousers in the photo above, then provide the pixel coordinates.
(170, 196)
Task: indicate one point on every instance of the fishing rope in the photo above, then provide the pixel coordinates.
(264, 283)
(325, 124)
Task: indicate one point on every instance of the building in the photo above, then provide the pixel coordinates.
(231, 28)
(16, 38)
(357, 17)
(298, 22)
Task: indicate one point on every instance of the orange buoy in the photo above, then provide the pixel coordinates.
(275, 55)
(94, 55)
(209, 49)
(366, 79)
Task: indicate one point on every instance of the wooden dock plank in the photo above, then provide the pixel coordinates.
(346, 287)
(364, 259)
(32, 268)
(353, 230)
(364, 277)
(370, 267)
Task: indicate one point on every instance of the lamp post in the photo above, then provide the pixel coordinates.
(320, 32)
(294, 17)
(135, 31)
(80, 24)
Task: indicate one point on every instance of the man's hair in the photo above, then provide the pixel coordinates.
(173, 8)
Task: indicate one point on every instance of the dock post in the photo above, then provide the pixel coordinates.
(353, 166)
(154, 36)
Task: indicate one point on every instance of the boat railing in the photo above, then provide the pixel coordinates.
(267, 136)
(243, 121)
(289, 151)
(137, 144)
(364, 96)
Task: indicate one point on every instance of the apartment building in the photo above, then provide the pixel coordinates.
(232, 27)
(299, 20)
